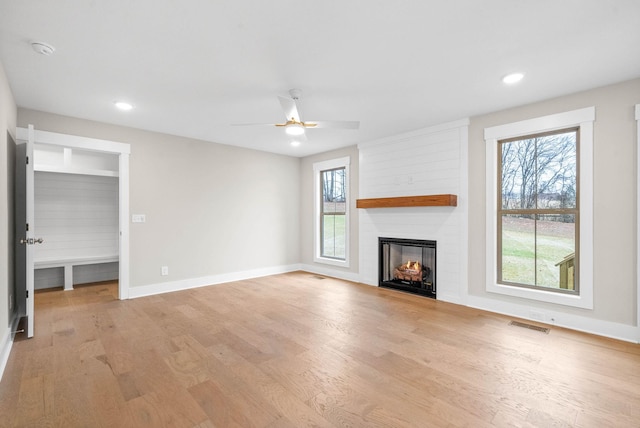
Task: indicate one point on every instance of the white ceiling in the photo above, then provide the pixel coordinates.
(192, 68)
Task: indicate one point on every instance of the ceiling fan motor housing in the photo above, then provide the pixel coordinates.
(295, 93)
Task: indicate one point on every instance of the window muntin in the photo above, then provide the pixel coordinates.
(538, 211)
(333, 213)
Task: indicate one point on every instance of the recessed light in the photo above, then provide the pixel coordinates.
(512, 78)
(123, 105)
(295, 143)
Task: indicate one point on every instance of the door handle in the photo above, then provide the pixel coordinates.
(31, 241)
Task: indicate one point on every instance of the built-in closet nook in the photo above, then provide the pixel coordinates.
(76, 215)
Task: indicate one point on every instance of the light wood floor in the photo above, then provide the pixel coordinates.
(297, 350)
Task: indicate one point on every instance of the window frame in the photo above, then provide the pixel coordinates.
(318, 169)
(583, 120)
(538, 211)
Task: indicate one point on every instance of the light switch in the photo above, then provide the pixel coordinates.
(138, 218)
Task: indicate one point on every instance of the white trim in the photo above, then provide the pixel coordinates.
(558, 318)
(541, 124)
(6, 343)
(121, 149)
(423, 131)
(5, 350)
(74, 261)
(74, 141)
(463, 210)
(638, 223)
(81, 171)
(186, 284)
(30, 201)
(584, 119)
(317, 168)
(123, 221)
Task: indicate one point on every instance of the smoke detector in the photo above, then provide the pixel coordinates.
(43, 48)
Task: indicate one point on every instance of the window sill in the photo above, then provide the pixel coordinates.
(585, 302)
(332, 262)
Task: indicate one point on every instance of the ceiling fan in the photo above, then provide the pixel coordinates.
(294, 125)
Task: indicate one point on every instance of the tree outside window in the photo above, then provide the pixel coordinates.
(333, 214)
(538, 211)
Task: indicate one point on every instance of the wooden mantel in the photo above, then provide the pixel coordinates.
(409, 201)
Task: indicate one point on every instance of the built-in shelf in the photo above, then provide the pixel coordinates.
(75, 170)
(67, 160)
(409, 201)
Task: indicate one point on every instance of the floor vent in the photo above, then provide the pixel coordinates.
(317, 277)
(530, 327)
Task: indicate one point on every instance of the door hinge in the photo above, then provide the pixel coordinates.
(27, 294)
(27, 227)
(27, 160)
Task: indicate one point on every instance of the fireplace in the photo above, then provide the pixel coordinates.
(408, 265)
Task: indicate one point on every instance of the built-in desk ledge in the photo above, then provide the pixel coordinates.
(409, 201)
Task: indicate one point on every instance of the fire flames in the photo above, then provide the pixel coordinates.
(409, 271)
(415, 266)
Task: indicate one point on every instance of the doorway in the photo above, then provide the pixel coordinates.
(66, 144)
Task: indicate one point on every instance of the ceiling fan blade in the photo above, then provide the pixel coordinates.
(254, 124)
(290, 108)
(335, 124)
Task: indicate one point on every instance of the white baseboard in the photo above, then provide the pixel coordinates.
(628, 333)
(185, 284)
(334, 273)
(5, 345)
(451, 298)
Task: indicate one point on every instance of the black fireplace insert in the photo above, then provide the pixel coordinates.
(408, 265)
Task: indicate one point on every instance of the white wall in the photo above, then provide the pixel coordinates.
(614, 267)
(426, 162)
(213, 212)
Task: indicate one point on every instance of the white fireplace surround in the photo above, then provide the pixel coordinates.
(428, 161)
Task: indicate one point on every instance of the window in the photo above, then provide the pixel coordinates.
(540, 208)
(538, 211)
(333, 212)
(332, 204)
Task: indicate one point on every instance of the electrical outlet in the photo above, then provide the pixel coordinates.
(138, 218)
(164, 270)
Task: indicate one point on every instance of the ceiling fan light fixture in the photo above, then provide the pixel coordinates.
(294, 129)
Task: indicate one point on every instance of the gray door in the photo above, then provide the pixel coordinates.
(20, 222)
(25, 226)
